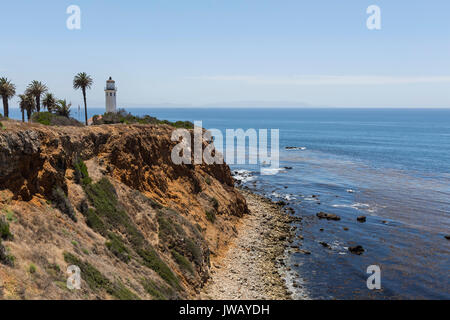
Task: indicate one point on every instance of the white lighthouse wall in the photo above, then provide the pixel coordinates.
(110, 101)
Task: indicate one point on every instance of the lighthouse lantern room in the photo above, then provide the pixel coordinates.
(110, 95)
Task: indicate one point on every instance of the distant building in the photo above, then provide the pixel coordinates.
(110, 95)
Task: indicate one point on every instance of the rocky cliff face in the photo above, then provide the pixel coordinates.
(108, 199)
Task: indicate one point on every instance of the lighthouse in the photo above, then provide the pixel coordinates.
(110, 95)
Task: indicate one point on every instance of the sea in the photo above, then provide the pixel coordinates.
(390, 165)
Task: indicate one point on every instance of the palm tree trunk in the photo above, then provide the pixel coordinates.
(85, 105)
(23, 115)
(29, 114)
(38, 103)
(5, 107)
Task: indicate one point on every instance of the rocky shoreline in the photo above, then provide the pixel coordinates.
(254, 265)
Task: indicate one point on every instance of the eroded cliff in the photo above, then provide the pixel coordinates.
(109, 200)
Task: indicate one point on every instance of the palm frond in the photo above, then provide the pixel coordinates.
(82, 81)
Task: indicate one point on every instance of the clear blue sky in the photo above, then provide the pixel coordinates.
(235, 52)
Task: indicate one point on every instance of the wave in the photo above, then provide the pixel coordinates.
(295, 148)
(242, 175)
(271, 171)
(287, 197)
(356, 205)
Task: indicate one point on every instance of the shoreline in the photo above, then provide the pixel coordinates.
(253, 267)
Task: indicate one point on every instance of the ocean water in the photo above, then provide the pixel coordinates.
(391, 165)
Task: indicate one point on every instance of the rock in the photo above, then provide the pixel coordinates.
(358, 250)
(290, 210)
(324, 244)
(328, 216)
(345, 229)
(321, 229)
(447, 237)
(361, 219)
(288, 168)
(281, 203)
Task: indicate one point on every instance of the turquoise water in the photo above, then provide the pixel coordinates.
(390, 165)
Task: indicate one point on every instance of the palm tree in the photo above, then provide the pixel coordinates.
(49, 102)
(63, 108)
(37, 89)
(28, 104)
(22, 105)
(7, 91)
(83, 81)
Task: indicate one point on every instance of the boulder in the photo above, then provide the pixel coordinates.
(328, 216)
(324, 244)
(358, 250)
(361, 219)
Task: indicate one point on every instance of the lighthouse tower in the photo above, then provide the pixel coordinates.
(110, 95)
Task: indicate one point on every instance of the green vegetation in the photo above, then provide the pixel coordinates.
(5, 257)
(44, 118)
(173, 235)
(50, 102)
(5, 233)
(91, 275)
(208, 181)
(97, 281)
(53, 269)
(194, 250)
(153, 289)
(118, 248)
(210, 216)
(10, 215)
(121, 292)
(166, 229)
(32, 268)
(157, 291)
(182, 262)
(62, 203)
(121, 116)
(81, 173)
(74, 243)
(152, 260)
(215, 203)
(108, 215)
(54, 119)
(94, 221)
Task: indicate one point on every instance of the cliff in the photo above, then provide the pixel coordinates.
(109, 200)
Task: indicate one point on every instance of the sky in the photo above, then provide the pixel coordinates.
(283, 53)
